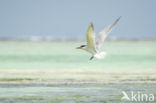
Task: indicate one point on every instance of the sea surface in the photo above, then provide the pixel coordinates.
(56, 72)
(63, 55)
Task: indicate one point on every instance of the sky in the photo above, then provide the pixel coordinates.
(70, 18)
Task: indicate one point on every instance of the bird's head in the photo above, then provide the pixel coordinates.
(81, 47)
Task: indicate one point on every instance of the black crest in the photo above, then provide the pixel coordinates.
(82, 46)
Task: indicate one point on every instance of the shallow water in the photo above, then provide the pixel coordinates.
(55, 72)
(77, 93)
(63, 55)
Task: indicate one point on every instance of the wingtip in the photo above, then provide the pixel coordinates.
(119, 18)
(91, 25)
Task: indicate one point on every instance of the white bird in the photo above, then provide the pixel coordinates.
(93, 44)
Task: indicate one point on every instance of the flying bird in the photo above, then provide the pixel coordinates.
(94, 43)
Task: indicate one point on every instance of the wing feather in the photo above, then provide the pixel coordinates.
(103, 34)
(90, 36)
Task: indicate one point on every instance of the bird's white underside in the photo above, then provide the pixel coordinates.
(96, 54)
(100, 55)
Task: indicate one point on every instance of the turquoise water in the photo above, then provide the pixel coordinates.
(63, 55)
(56, 72)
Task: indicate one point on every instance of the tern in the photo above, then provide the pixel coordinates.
(94, 44)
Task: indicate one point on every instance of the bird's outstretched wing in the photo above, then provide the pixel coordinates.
(103, 34)
(90, 36)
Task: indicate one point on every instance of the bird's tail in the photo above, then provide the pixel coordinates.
(100, 55)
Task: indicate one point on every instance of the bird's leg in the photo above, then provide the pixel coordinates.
(91, 58)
